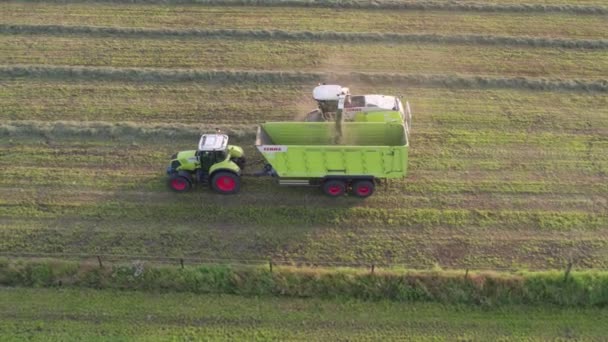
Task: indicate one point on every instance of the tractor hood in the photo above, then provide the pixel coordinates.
(235, 151)
(187, 156)
(184, 160)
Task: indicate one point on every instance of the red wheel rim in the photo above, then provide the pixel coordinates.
(334, 190)
(225, 183)
(363, 190)
(178, 184)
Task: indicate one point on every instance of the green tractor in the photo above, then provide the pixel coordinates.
(215, 163)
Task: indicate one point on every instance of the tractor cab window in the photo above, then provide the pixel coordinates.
(208, 158)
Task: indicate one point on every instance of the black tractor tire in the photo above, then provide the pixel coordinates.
(334, 187)
(180, 183)
(363, 188)
(225, 182)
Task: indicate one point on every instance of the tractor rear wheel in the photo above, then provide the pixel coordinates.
(334, 187)
(363, 188)
(225, 182)
(179, 183)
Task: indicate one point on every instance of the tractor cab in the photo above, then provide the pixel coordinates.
(358, 108)
(212, 148)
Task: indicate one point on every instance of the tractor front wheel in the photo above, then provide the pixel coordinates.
(334, 188)
(179, 183)
(225, 182)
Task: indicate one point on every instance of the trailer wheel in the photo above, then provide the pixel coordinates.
(334, 188)
(363, 188)
(179, 183)
(225, 182)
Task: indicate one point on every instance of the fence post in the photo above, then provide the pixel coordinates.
(99, 261)
(568, 269)
(181, 262)
(270, 265)
(373, 268)
(466, 274)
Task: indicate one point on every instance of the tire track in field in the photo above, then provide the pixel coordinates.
(363, 37)
(161, 75)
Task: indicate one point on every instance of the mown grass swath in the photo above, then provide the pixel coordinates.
(550, 25)
(407, 58)
(436, 109)
(335, 36)
(384, 4)
(172, 75)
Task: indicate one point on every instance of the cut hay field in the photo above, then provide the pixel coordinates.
(565, 25)
(508, 159)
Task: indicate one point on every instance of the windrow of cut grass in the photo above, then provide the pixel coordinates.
(245, 76)
(174, 108)
(333, 37)
(579, 289)
(443, 149)
(556, 25)
(475, 6)
(304, 56)
(479, 162)
(68, 314)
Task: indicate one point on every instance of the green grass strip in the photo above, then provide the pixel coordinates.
(61, 315)
(582, 289)
(350, 37)
(213, 76)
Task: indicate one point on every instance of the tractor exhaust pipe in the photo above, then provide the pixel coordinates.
(339, 118)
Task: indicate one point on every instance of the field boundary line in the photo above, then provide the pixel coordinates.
(321, 36)
(193, 261)
(452, 6)
(163, 75)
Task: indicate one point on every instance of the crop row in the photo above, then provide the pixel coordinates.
(213, 76)
(376, 5)
(305, 19)
(350, 37)
(231, 54)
